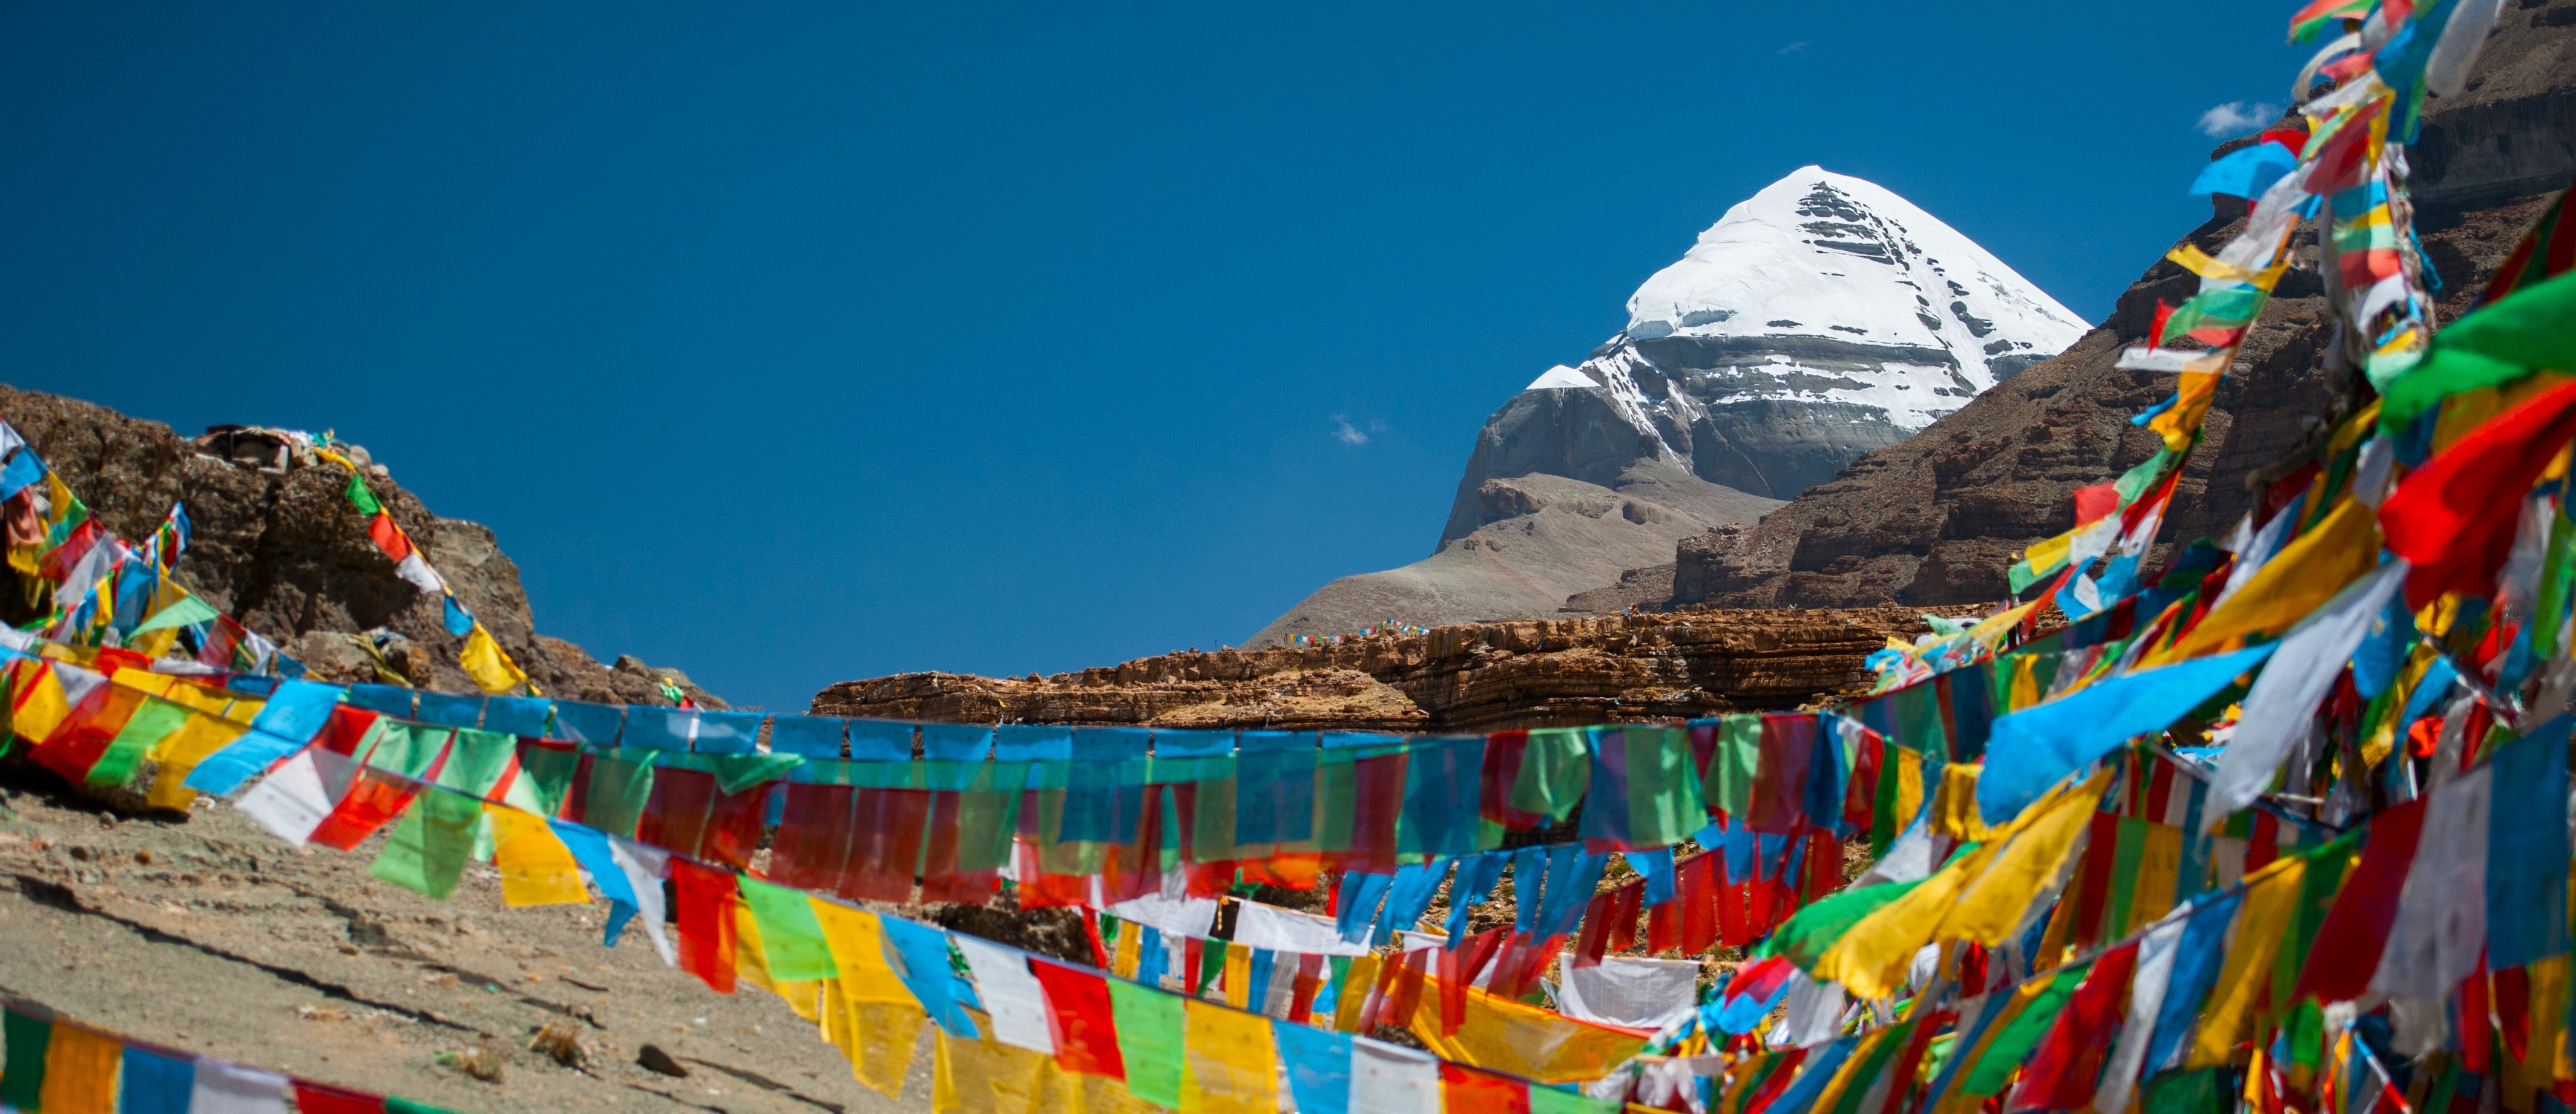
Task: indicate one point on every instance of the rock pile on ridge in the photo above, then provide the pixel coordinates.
(283, 552)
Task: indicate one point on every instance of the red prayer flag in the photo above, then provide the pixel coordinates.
(813, 841)
(2060, 1074)
(1700, 883)
(2349, 942)
(388, 537)
(77, 744)
(322, 1098)
(704, 901)
(1503, 751)
(1779, 803)
(1080, 1018)
(2092, 504)
(1465, 1090)
(2455, 517)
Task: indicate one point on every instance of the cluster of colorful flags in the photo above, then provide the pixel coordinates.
(56, 1065)
(2285, 825)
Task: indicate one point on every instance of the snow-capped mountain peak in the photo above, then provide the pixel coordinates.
(1822, 317)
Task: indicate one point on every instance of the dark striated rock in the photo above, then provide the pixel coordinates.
(281, 550)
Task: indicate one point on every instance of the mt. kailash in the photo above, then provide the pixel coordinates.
(1818, 320)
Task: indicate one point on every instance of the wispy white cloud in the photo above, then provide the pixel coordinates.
(1793, 48)
(1346, 433)
(2236, 118)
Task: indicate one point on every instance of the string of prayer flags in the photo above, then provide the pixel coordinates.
(63, 1067)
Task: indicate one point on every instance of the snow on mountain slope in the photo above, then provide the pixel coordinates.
(1833, 258)
(1821, 318)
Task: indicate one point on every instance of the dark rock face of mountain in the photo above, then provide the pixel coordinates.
(1938, 518)
(286, 555)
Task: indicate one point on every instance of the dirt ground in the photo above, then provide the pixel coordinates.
(209, 934)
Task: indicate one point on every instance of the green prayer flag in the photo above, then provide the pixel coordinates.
(2004, 1054)
(22, 1080)
(1808, 932)
(791, 937)
(476, 761)
(1336, 799)
(737, 772)
(1873, 1064)
(619, 788)
(2557, 569)
(188, 612)
(1662, 809)
(1149, 1040)
(2529, 329)
(1729, 782)
(551, 770)
(2188, 1092)
(2317, 889)
(2129, 846)
(1556, 767)
(988, 812)
(406, 1106)
(431, 845)
(362, 498)
(156, 720)
(1546, 1099)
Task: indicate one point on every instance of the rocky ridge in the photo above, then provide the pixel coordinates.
(281, 550)
(1465, 678)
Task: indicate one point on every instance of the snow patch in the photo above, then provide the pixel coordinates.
(1559, 376)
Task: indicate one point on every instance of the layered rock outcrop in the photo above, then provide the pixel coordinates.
(1467, 678)
(280, 549)
(1938, 518)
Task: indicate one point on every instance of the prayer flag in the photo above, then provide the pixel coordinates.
(1318, 1063)
(791, 937)
(1082, 1023)
(2034, 748)
(1229, 1061)
(1012, 996)
(704, 899)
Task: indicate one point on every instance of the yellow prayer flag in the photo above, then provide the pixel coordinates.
(36, 701)
(2201, 263)
(867, 1011)
(1228, 1063)
(2546, 1006)
(1238, 973)
(1954, 805)
(178, 754)
(1507, 1036)
(2048, 556)
(2271, 896)
(1131, 950)
(2192, 396)
(1909, 784)
(1991, 907)
(536, 868)
(488, 665)
(2299, 579)
(1353, 987)
(80, 1072)
(1872, 957)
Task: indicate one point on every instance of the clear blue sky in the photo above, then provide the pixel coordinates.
(787, 344)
